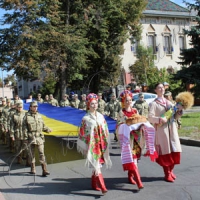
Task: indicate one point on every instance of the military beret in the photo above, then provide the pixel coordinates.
(75, 95)
(65, 95)
(51, 95)
(20, 105)
(83, 95)
(168, 93)
(39, 94)
(34, 103)
(99, 94)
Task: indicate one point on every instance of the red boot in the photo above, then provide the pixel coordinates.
(101, 183)
(171, 171)
(137, 178)
(130, 178)
(94, 183)
(168, 176)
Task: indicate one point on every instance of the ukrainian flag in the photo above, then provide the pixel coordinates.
(65, 121)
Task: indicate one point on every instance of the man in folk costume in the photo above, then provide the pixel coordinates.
(135, 134)
(163, 115)
(93, 142)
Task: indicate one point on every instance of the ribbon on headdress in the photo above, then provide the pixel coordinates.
(91, 97)
(124, 95)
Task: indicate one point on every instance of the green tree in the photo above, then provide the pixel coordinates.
(109, 24)
(144, 67)
(190, 57)
(72, 39)
(146, 72)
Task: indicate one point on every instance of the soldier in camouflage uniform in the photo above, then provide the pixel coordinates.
(16, 132)
(83, 103)
(39, 98)
(3, 102)
(101, 104)
(75, 101)
(113, 107)
(53, 101)
(141, 105)
(33, 126)
(64, 102)
(46, 99)
(11, 112)
(2, 126)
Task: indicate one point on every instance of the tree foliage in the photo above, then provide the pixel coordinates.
(146, 73)
(72, 39)
(190, 57)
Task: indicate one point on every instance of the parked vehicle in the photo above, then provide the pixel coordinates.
(149, 97)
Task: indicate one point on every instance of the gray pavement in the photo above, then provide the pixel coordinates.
(71, 179)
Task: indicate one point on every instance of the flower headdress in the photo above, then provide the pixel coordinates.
(124, 95)
(91, 97)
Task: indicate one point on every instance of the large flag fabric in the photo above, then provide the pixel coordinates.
(65, 121)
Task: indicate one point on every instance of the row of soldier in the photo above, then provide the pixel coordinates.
(22, 131)
(110, 108)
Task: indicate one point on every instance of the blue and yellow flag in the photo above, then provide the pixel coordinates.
(65, 121)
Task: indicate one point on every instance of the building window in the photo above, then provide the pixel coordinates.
(134, 46)
(167, 44)
(152, 42)
(34, 88)
(181, 43)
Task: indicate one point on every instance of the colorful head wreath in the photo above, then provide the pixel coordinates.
(124, 95)
(91, 97)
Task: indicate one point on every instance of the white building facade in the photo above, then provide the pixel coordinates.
(162, 29)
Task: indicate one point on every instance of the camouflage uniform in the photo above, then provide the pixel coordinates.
(101, 106)
(112, 108)
(40, 100)
(142, 107)
(2, 126)
(33, 126)
(75, 101)
(16, 131)
(53, 102)
(64, 103)
(82, 105)
(11, 112)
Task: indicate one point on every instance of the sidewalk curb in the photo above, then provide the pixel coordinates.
(189, 142)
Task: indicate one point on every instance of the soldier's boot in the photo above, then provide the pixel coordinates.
(44, 169)
(33, 170)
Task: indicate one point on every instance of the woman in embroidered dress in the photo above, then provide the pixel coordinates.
(130, 143)
(93, 142)
(167, 141)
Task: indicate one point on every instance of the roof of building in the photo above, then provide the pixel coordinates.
(165, 5)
